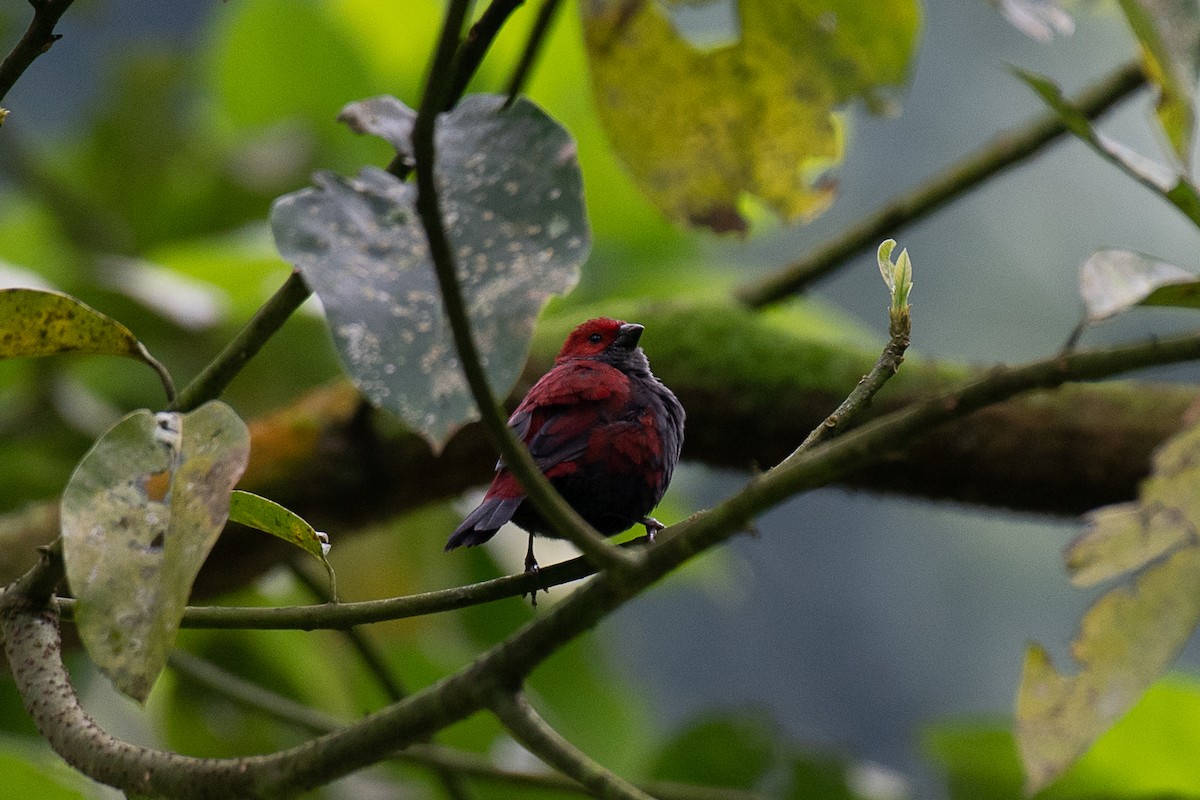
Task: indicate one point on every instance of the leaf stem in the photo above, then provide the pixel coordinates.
(561, 517)
(538, 737)
(1006, 150)
(38, 38)
(269, 318)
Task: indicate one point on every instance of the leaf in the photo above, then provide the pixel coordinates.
(512, 200)
(1166, 181)
(1112, 281)
(35, 322)
(734, 751)
(1168, 33)
(1132, 633)
(139, 516)
(270, 517)
(698, 127)
(1037, 19)
(1148, 754)
(38, 322)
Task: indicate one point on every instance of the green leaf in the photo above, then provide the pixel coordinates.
(270, 517)
(1166, 181)
(33, 772)
(1113, 281)
(1168, 33)
(699, 127)
(139, 516)
(512, 199)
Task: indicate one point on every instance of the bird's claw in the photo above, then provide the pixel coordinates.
(653, 526)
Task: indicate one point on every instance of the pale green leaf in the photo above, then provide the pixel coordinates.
(1171, 183)
(1126, 641)
(1112, 281)
(512, 202)
(1168, 33)
(139, 516)
(700, 127)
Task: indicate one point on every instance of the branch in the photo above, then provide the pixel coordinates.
(479, 39)
(34, 650)
(537, 35)
(38, 38)
(446, 759)
(561, 517)
(245, 345)
(538, 737)
(1007, 150)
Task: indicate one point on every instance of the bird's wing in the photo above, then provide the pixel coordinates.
(560, 413)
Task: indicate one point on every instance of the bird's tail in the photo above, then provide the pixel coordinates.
(482, 523)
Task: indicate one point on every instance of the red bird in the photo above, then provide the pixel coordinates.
(602, 428)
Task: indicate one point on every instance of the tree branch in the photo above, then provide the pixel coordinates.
(538, 737)
(245, 345)
(38, 38)
(34, 650)
(1007, 150)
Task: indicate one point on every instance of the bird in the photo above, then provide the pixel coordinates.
(601, 427)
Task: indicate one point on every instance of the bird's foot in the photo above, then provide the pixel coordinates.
(653, 526)
(531, 566)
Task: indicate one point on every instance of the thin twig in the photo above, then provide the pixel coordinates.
(475, 46)
(561, 517)
(1007, 150)
(537, 36)
(340, 616)
(245, 345)
(541, 739)
(38, 38)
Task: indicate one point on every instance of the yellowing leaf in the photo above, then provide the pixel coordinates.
(34, 322)
(699, 127)
(1131, 634)
(139, 516)
(37, 322)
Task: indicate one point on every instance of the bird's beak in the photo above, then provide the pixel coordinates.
(628, 335)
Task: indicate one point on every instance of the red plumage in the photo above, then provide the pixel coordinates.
(602, 428)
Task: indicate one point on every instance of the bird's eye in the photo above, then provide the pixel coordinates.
(595, 338)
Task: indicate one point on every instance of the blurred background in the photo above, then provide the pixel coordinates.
(853, 623)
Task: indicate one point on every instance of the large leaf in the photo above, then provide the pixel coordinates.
(698, 127)
(36, 322)
(1168, 32)
(139, 517)
(1129, 637)
(512, 201)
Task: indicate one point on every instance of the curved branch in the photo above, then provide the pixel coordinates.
(538, 737)
(1006, 150)
(38, 38)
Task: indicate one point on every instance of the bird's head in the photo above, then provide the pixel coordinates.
(605, 339)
